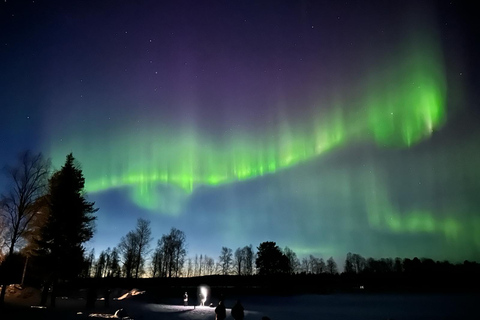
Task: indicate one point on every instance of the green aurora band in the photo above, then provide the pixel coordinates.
(397, 105)
(399, 109)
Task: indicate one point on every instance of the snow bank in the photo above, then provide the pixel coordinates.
(17, 294)
(129, 294)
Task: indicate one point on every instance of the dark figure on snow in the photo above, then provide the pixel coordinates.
(185, 299)
(220, 311)
(237, 311)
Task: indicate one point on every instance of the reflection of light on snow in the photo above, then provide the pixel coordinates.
(131, 293)
(165, 308)
(198, 312)
(103, 315)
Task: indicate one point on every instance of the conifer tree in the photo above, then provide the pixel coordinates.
(70, 223)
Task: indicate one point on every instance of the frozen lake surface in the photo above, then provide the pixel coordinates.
(331, 307)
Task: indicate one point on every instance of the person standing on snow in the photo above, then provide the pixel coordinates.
(220, 311)
(237, 311)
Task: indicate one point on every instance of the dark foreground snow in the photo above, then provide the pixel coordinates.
(329, 307)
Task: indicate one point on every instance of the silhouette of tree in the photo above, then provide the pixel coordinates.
(114, 269)
(348, 267)
(225, 260)
(293, 261)
(128, 248)
(312, 263)
(270, 259)
(32, 236)
(243, 260)
(101, 265)
(238, 262)
(178, 242)
(157, 262)
(189, 268)
(200, 265)
(249, 260)
(107, 264)
(398, 265)
(106, 270)
(3, 237)
(354, 263)
(144, 233)
(19, 206)
(331, 266)
(320, 266)
(359, 263)
(196, 265)
(89, 264)
(381, 266)
(70, 223)
(134, 247)
(316, 265)
(305, 265)
(170, 253)
(209, 265)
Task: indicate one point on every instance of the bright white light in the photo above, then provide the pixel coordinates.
(204, 294)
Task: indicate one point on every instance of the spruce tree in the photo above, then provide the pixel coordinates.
(69, 224)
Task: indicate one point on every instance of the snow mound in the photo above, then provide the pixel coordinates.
(18, 294)
(129, 294)
(119, 314)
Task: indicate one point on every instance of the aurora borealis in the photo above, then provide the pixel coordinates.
(327, 127)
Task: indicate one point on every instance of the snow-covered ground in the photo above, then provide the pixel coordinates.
(329, 307)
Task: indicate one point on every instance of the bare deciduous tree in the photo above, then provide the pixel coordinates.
(29, 180)
(114, 264)
(3, 232)
(249, 260)
(128, 247)
(200, 265)
(292, 258)
(239, 260)
(134, 247)
(331, 266)
(209, 266)
(144, 233)
(157, 263)
(172, 250)
(225, 260)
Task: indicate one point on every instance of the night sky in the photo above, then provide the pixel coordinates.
(326, 126)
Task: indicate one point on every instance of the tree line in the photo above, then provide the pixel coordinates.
(133, 258)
